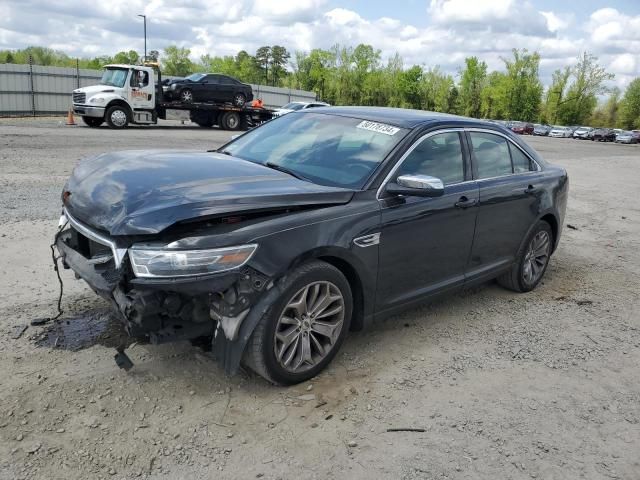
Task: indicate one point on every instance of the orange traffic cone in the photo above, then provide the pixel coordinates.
(70, 120)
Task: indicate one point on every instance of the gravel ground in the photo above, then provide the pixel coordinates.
(539, 385)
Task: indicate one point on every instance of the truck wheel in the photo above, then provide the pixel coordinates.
(117, 117)
(92, 122)
(239, 99)
(186, 96)
(301, 332)
(230, 121)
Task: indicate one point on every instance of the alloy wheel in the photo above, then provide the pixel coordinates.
(239, 100)
(309, 326)
(536, 258)
(186, 96)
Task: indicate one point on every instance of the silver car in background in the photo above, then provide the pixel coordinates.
(294, 106)
(583, 133)
(560, 132)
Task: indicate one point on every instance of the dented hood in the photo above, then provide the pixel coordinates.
(144, 192)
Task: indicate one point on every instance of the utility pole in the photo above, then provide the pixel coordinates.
(144, 17)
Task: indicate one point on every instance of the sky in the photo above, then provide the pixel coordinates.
(424, 32)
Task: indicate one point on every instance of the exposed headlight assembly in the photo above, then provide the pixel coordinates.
(158, 263)
(97, 100)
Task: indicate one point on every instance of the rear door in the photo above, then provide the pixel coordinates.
(510, 190)
(208, 89)
(425, 242)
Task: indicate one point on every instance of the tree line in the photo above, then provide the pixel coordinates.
(344, 75)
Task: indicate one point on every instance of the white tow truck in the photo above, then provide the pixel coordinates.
(132, 94)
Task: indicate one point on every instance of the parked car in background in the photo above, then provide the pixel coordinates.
(583, 133)
(209, 87)
(541, 129)
(521, 128)
(295, 106)
(277, 244)
(603, 135)
(560, 132)
(628, 137)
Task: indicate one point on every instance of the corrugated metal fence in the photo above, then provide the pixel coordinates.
(37, 90)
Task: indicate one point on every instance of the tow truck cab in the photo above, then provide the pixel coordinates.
(126, 94)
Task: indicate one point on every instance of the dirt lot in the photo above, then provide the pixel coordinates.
(541, 385)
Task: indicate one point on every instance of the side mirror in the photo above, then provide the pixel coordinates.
(416, 186)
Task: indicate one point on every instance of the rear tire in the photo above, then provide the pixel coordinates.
(93, 122)
(531, 261)
(287, 346)
(230, 121)
(117, 117)
(239, 99)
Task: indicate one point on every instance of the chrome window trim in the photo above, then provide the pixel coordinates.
(408, 152)
(118, 253)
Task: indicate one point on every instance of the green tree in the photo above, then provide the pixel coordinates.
(279, 59)
(630, 108)
(129, 58)
(472, 83)
(522, 86)
(263, 57)
(176, 61)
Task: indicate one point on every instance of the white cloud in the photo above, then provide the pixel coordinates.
(454, 30)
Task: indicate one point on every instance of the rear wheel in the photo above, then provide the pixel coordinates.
(203, 119)
(117, 117)
(303, 330)
(92, 122)
(230, 121)
(239, 99)
(186, 96)
(532, 260)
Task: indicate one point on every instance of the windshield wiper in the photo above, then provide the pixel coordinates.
(280, 168)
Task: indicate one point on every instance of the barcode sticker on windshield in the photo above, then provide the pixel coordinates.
(378, 127)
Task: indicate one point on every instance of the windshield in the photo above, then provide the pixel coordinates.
(294, 106)
(325, 149)
(115, 77)
(194, 77)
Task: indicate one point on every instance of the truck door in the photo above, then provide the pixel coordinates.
(141, 86)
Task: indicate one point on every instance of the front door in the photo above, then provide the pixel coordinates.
(425, 242)
(141, 89)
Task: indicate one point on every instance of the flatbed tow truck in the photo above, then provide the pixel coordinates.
(133, 94)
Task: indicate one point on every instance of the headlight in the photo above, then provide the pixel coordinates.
(152, 263)
(97, 100)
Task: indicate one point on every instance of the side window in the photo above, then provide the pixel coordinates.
(139, 78)
(492, 154)
(521, 163)
(212, 79)
(438, 156)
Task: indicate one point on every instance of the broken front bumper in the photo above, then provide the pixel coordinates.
(161, 310)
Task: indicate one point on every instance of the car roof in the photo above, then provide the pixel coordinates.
(399, 117)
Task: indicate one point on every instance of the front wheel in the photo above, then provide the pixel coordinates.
(117, 117)
(304, 328)
(532, 260)
(230, 121)
(186, 96)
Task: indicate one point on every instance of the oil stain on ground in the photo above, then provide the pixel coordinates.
(93, 327)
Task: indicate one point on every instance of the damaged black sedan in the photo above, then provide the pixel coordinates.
(319, 222)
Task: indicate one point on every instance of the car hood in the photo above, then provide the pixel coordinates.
(144, 192)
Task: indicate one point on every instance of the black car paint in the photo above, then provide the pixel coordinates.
(301, 221)
(211, 87)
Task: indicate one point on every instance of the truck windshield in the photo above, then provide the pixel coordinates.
(114, 77)
(325, 149)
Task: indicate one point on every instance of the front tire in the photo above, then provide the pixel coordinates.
(93, 122)
(117, 117)
(186, 96)
(532, 260)
(302, 331)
